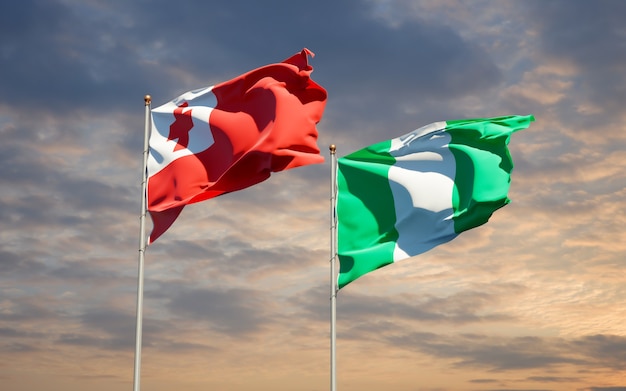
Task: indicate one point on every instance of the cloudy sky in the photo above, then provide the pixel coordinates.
(237, 291)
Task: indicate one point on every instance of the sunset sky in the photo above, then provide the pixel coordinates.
(237, 291)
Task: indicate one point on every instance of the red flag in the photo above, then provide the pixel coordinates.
(233, 135)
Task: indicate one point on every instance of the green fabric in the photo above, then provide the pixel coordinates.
(368, 212)
(484, 167)
(479, 160)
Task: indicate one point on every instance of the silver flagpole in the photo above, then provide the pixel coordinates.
(333, 273)
(142, 247)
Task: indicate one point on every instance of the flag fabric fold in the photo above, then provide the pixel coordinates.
(233, 135)
(402, 197)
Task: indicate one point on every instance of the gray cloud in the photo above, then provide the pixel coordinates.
(590, 35)
(102, 62)
(232, 311)
(518, 353)
(80, 61)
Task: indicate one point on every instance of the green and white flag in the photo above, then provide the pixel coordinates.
(404, 196)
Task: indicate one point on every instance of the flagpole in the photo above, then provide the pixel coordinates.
(333, 274)
(142, 246)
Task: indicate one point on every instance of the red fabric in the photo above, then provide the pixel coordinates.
(264, 121)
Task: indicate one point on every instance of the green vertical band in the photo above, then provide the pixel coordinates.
(484, 167)
(365, 211)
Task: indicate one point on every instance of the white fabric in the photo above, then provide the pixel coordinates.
(162, 153)
(422, 182)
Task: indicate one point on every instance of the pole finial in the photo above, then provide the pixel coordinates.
(147, 99)
(332, 148)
